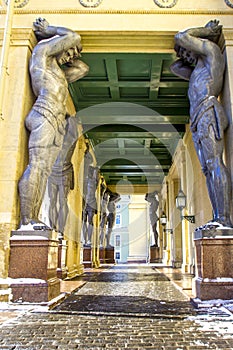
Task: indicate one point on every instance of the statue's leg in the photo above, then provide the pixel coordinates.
(154, 227)
(42, 155)
(111, 220)
(217, 177)
(220, 179)
(49, 155)
(108, 236)
(28, 193)
(204, 146)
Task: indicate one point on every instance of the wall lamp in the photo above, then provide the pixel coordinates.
(181, 204)
(163, 222)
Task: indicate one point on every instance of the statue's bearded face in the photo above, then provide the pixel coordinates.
(186, 55)
(68, 56)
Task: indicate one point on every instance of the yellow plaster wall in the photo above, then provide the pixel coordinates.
(121, 15)
(132, 5)
(17, 100)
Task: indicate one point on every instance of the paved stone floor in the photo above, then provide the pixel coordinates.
(121, 307)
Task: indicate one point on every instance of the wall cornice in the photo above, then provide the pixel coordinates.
(228, 36)
(21, 37)
(128, 41)
(121, 12)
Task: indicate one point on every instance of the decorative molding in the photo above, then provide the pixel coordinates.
(129, 41)
(90, 3)
(18, 3)
(20, 37)
(119, 12)
(229, 3)
(166, 3)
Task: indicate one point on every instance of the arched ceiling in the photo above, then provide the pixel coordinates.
(134, 111)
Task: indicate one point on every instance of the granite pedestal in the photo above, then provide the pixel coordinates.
(101, 254)
(214, 257)
(154, 254)
(107, 255)
(33, 266)
(87, 256)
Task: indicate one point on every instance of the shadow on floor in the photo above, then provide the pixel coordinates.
(125, 305)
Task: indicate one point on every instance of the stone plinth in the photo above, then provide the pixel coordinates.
(107, 255)
(101, 254)
(214, 257)
(154, 254)
(87, 256)
(33, 266)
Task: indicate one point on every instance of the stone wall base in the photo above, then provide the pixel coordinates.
(210, 290)
(33, 266)
(35, 292)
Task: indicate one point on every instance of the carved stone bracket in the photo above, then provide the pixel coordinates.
(90, 3)
(229, 3)
(166, 3)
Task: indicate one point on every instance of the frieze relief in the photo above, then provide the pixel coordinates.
(90, 3)
(229, 3)
(18, 3)
(166, 3)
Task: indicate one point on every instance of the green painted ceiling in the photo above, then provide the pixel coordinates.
(134, 111)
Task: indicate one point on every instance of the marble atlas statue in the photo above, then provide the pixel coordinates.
(54, 63)
(152, 198)
(90, 208)
(104, 198)
(111, 207)
(201, 62)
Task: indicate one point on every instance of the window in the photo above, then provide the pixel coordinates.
(118, 220)
(118, 241)
(118, 255)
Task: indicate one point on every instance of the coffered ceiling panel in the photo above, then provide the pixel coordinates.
(134, 111)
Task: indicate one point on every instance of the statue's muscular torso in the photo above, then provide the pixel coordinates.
(49, 80)
(204, 82)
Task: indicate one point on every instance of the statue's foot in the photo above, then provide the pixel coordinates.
(213, 225)
(225, 222)
(109, 246)
(34, 225)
